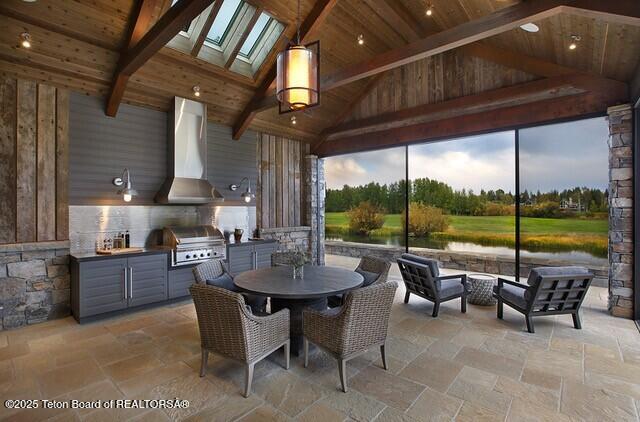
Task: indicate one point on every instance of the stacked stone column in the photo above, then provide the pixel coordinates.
(621, 211)
(314, 188)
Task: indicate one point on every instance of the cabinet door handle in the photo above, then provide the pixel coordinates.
(125, 283)
(130, 282)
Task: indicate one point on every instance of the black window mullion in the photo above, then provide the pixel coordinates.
(517, 228)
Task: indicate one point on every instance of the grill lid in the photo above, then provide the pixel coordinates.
(174, 235)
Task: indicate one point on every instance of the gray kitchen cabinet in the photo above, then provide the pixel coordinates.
(147, 279)
(250, 255)
(180, 279)
(103, 284)
(103, 288)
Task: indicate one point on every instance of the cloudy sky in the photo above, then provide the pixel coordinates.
(551, 157)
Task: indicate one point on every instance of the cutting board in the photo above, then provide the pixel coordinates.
(118, 251)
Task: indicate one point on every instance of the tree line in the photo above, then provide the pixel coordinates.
(391, 198)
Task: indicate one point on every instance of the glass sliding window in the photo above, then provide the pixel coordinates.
(366, 198)
(462, 202)
(563, 191)
(223, 21)
(255, 35)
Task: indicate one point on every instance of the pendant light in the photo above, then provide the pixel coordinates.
(298, 76)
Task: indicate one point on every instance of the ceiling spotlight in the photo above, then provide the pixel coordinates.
(25, 40)
(575, 39)
(530, 27)
(294, 120)
(361, 39)
(196, 90)
(429, 11)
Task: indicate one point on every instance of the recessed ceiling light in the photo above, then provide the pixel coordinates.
(361, 39)
(196, 90)
(429, 11)
(575, 39)
(25, 40)
(294, 120)
(530, 27)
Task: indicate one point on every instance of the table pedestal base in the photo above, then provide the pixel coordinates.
(295, 307)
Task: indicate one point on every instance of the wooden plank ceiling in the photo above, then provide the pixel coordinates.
(77, 44)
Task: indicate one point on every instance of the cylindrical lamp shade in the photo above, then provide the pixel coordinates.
(297, 82)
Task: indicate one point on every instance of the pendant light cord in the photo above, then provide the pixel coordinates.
(298, 23)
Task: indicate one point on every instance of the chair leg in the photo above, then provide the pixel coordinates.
(342, 368)
(248, 379)
(287, 354)
(463, 304)
(203, 362)
(436, 308)
(305, 346)
(529, 320)
(384, 357)
(576, 321)
(500, 309)
(406, 297)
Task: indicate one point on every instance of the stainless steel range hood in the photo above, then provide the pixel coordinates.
(186, 181)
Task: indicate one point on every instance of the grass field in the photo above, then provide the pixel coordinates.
(537, 233)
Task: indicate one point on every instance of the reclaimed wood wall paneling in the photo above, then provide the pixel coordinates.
(8, 160)
(46, 163)
(26, 161)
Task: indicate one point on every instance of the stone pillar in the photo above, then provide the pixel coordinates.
(621, 211)
(314, 188)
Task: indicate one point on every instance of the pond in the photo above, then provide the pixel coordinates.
(579, 257)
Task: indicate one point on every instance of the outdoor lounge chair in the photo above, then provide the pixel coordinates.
(549, 291)
(422, 277)
(228, 327)
(353, 328)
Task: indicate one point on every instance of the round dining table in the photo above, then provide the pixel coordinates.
(319, 282)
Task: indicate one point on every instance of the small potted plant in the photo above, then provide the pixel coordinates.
(298, 260)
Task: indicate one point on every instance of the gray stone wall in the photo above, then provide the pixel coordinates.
(621, 211)
(289, 238)
(314, 212)
(34, 283)
(474, 262)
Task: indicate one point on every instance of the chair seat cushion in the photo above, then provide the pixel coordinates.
(225, 281)
(451, 287)
(369, 277)
(517, 295)
(257, 304)
(431, 263)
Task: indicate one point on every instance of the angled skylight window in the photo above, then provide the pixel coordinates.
(222, 23)
(255, 35)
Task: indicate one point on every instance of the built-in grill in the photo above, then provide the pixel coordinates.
(194, 244)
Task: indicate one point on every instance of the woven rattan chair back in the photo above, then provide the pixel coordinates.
(208, 271)
(366, 316)
(221, 320)
(375, 265)
(418, 278)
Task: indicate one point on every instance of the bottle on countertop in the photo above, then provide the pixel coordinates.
(127, 239)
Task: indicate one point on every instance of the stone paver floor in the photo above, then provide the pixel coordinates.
(459, 366)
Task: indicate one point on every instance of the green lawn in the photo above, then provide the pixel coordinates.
(497, 225)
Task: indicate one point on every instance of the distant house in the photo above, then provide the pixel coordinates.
(569, 205)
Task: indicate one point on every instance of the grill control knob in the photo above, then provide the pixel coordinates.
(188, 256)
(208, 253)
(201, 255)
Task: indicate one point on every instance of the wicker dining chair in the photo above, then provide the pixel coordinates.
(216, 273)
(352, 329)
(372, 269)
(228, 328)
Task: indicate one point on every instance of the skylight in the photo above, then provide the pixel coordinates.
(223, 20)
(255, 35)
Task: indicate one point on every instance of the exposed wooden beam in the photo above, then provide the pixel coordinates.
(341, 117)
(484, 120)
(309, 26)
(197, 46)
(619, 11)
(243, 37)
(510, 96)
(155, 38)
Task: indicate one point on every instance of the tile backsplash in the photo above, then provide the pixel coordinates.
(145, 222)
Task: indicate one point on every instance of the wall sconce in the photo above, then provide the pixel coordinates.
(246, 195)
(125, 180)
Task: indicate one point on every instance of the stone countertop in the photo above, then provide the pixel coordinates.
(91, 256)
(251, 242)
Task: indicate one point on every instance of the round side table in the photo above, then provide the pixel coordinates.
(481, 289)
